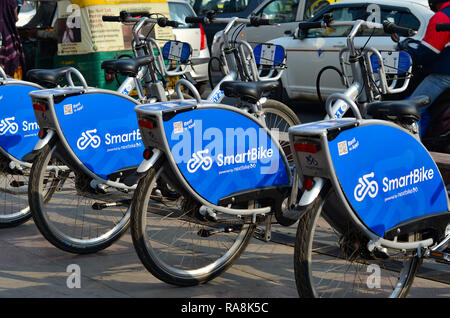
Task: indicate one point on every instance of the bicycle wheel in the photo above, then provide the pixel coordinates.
(329, 263)
(75, 217)
(14, 208)
(279, 118)
(176, 243)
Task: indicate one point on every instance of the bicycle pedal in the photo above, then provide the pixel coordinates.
(156, 192)
(440, 257)
(210, 232)
(381, 253)
(259, 233)
(18, 184)
(262, 234)
(103, 205)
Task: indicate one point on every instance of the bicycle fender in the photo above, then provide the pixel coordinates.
(309, 196)
(143, 168)
(29, 157)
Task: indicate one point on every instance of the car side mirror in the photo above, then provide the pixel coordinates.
(299, 34)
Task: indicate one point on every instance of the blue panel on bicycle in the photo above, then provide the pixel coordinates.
(387, 176)
(395, 62)
(176, 51)
(220, 152)
(18, 126)
(269, 54)
(102, 131)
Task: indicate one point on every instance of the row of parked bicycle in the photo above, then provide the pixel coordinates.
(364, 189)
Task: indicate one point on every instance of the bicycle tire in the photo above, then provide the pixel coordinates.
(14, 209)
(309, 279)
(46, 216)
(279, 116)
(153, 253)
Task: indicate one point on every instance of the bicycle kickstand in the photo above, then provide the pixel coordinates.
(265, 234)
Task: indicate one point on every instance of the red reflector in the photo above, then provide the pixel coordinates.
(39, 107)
(42, 133)
(202, 37)
(147, 154)
(145, 124)
(307, 183)
(311, 148)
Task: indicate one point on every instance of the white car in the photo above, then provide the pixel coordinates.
(284, 13)
(195, 36)
(26, 13)
(307, 57)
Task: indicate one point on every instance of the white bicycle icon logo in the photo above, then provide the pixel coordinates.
(8, 124)
(198, 160)
(87, 138)
(366, 187)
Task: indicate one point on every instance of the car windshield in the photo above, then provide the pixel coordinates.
(219, 6)
(312, 7)
(179, 11)
(400, 16)
(27, 6)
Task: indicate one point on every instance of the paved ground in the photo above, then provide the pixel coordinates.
(32, 267)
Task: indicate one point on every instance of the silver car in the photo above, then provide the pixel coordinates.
(285, 13)
(195, 36)
(307, 57)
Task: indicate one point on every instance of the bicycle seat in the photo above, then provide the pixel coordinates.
(126, 67)
(405, 111)
(47, 78)
(248, 91)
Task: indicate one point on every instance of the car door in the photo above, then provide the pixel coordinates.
(320, 48)
(284, 13)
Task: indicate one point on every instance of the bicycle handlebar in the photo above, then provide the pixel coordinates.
(391, 28)
(257, 21)
(132, 17)
(443, 27)
(387, 26)
(202, 20)
(254, 21)
(107, 18)
(305, 26)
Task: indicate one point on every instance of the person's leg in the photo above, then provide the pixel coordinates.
(432, 86)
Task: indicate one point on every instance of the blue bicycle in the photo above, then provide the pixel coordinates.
(90, 141)
(230, 173)
(18, 136)
(375, 205)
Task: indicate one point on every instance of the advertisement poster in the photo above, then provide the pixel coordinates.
(81, 29)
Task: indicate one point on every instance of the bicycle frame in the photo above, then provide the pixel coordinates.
(16, 145)
(91, 142)
(239, 63)
(334, 140)
(215, 178)
(86, 145)
(143, 46)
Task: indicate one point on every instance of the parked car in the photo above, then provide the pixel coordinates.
(45, 16)
(223, 9)
(195, 36)
(307, 57)
(26, 13)
(285, 13)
